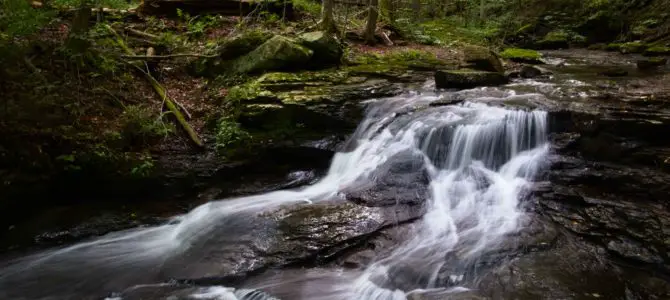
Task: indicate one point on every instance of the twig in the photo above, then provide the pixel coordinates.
(169, 56)
(141, 33)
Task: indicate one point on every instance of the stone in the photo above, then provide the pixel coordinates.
(243, 44)
(530, 72)
(522, 55)
(656, 51)
(614, 72)
(403, 179)
(482, 58)
(277, 53)
(465, 79)
(632, 47)
(651, 63)
(327, 48)
(557, 39)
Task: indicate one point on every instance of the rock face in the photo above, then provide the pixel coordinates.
(327, 49)
(276, 53)
(651, 63)
(465, 79)
(281, 237)
(482, 58)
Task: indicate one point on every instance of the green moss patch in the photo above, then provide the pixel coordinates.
(522, 55)
(657, 51)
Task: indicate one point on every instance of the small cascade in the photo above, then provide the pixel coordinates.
(479, 158)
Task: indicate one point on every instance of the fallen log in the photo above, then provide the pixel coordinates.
(221, 7)
(160, 90)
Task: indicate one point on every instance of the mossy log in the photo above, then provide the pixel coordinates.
(160, 90)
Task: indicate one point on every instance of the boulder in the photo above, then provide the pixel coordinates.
(657, 51)
(522, 56)
(531, 72)
(243, 44)
(276, 53)
(465, 79)
(651, 63)
(482, 58)
(632, 47)
(557, 39)
(327, 49)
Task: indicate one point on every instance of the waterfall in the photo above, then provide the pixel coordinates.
(479, 159)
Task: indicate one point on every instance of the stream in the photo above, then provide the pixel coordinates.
(545, 188)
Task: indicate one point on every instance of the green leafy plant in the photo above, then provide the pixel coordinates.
(139, 126)
(229, 133)
(144, 167)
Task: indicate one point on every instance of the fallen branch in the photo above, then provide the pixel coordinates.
(141, 33)
(169, 56)
(160, 90)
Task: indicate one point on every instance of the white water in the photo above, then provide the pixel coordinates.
(479, 157)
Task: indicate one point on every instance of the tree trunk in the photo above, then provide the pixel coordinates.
(416, 7)
(327, 20)
(371, 27)
(482, 11)
(77, 41)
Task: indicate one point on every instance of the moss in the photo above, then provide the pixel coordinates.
(632, 47)
(656, 51)
(247, 92)
(613, 46)
(521, 55)
(396, 61)
(243, 44)
(277, 53)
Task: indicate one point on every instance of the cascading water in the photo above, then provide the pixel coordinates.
(479, 159)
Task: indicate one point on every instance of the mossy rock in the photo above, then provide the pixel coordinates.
(613, 46)
(651, 63)
(277, 53)
(482, 58)
(632, 47)
(243, 44)
(557, 39)
(599, 46)
(465, 79)
(656, 51)
(522, 55)
(327, 48)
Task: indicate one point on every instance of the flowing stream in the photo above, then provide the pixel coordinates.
(479, 159)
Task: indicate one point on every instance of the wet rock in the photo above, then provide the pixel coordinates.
(465, 79)
(651, 63)
(530, 72)
(482, 58)
(289, 235)
(275, 54)
(403, 179)
(327, 49)
(614, 72)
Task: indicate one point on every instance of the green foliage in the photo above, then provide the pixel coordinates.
(229, 133)
(198, 25)
(139, 126)
(307, 6)
(143, 167)
(18, 18)
(114, 4)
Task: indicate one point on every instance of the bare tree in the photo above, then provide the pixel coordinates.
(371, 27)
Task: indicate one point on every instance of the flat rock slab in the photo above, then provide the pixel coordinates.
(466, 79)
(299, 234)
